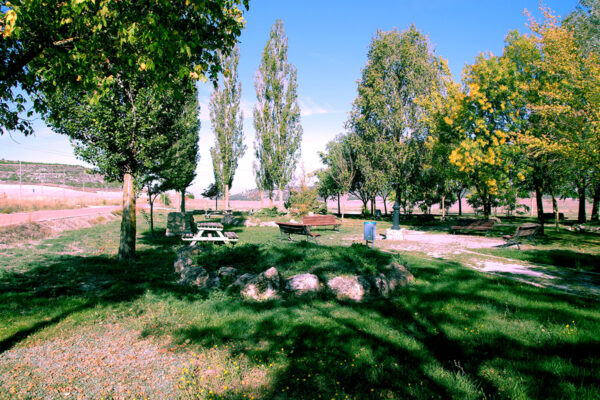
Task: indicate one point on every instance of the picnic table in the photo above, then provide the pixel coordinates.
(210, 232)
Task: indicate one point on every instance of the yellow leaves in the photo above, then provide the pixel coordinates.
(521, 176)
(8, 23)
(143, 66)
(448, 120)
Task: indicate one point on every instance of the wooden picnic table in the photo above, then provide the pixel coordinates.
(210, 232)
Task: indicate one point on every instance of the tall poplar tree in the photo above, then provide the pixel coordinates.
(276, 116)
(227, 121)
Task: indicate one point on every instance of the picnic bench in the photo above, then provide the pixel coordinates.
(551, 216)
(481, 225)
(287, 229)
(525, 231)
(322, 220)
(210, 232)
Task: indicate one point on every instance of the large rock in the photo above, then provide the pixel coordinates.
(264, 286)
(269, 223)
(227, 275)
(185, 257)
(302, 284)
(197, 276)
(397, 276)
(179, 223)
(231, 220)
(349, 287)
(380, 285)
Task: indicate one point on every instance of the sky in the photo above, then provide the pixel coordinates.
(328, 42)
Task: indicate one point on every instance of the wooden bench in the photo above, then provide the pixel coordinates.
(482, 225)
(322, 220)
(289, 229)
(525, 231)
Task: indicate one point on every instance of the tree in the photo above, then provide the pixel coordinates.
(276, 115)
(341, 170)
(569, 106)
(227, 121)
(177, 166)
(47, 45)
(154, 187)
(213, 192)
(385, 116)
(123, 134)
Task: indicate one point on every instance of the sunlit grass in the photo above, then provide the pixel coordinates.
(454, 333)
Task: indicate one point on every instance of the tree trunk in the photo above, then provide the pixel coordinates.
(443, 208)
(540, 207)
(555, 209)
(581, 213)
(459, 206)
(343, 205)
(262, 199)
(280, 198)
(270, 199)
(151, 203)
(531, 206)
(182, 205)
(385, 203)
(227, 207)
(216, 203)
(373, 206)
(127, 241)
(596, 203)
(339, 209)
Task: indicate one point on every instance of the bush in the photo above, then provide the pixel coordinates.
(303, 200)
(268, 212)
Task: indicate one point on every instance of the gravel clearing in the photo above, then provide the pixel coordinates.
(108, 361)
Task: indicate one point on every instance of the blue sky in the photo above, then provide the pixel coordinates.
(328, 42)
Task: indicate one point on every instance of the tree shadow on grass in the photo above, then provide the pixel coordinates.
(454, 334)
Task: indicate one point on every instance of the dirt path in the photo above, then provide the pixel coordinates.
(45, 215)
(463, 249)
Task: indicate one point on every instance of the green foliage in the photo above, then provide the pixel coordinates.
(303, 200)
(50, 45)
(389, 135)
(276, 115)
(227, 122)
(268, 212)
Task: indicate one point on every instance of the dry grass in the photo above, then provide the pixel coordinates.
(10, 205)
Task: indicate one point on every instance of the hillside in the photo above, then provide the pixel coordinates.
(52, 174)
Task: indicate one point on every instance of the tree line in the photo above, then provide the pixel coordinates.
(526, 121)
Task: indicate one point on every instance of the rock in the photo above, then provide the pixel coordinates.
(380, 285)
(242, 280)
(265, 286)
(397, 276)
(227, 275)
(179, 223)
(302, 284)
(231, 220)
(349, 287)
(250, 222)
(394, 234)
(185, 257)
(194, 276)
(269, 223)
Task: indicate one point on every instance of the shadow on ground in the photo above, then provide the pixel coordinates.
(454, 334)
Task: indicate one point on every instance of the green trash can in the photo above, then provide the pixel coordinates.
(370, 233)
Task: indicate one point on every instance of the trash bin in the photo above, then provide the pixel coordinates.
(370, 233)
(378, 213)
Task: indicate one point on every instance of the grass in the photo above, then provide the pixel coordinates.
(455, 333)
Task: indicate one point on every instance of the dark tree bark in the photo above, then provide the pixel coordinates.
(540, 207)
(596, 203)
(128, 228)
(182, 206)
(581, 212)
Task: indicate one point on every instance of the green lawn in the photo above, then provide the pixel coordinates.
(454, 333)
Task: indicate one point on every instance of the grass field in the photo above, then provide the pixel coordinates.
(75, 323)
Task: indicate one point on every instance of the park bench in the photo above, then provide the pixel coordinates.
(288, 229)
(481, 225)
(525, 231)
(322, 220)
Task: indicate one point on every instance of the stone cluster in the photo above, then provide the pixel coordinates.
(269, 284)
